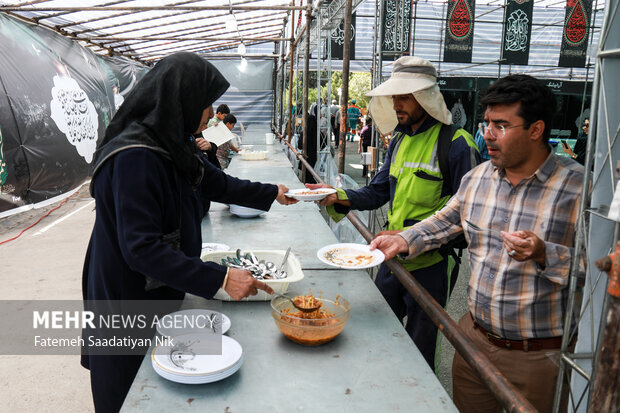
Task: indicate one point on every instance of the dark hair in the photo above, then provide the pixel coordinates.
(537, 100)
(223, 108)
(230, 118)
(368, 120)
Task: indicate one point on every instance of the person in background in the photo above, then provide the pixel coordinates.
(333, 111)
(209, 153)
(412, 184)
(223, 151)
(365, 141)
(579, 152)
(220, 114)
(480, 143)
(518, 213)
(353, 116)
(148, 181)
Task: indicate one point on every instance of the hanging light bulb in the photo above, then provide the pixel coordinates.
(244, 63)
(241, 49)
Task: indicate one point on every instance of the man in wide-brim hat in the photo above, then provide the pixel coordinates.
(410, 105)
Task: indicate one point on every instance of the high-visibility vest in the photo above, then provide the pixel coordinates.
(414, 165)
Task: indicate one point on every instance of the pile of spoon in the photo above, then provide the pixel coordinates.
(260, 269)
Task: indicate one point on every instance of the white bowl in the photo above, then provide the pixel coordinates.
(245, 212)
(292, 266)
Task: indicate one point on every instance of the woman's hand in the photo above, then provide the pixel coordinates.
(203, 144)
(283, 199)
(241, 284)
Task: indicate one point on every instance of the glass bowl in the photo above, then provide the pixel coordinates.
(310, 331)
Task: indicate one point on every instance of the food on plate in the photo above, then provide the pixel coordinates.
(339, 256)
(315, 192)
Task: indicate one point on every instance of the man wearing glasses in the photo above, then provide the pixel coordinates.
(518, 213)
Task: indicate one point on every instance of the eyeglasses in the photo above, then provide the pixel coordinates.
(497, 131)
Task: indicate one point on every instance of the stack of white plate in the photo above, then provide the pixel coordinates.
(182, 362)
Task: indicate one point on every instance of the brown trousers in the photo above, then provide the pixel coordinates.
(533, 373)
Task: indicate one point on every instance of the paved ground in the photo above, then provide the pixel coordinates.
(45, 262)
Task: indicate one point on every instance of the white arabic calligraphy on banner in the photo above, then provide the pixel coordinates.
(338, 34)
(397, 25)
(517, 31)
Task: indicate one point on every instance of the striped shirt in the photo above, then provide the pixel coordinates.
(515, 300)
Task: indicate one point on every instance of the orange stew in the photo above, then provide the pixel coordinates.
(299, 326)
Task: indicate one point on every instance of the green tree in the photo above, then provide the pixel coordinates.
(359, 85)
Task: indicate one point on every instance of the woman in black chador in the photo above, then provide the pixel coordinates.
(148, 182)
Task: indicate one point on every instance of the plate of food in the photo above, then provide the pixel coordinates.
(350, 256)
(308, 195)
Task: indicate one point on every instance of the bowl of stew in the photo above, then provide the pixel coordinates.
(314, 328)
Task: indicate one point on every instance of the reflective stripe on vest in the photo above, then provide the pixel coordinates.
(419, 182)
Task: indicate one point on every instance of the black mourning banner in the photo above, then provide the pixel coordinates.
(337, 40)
(56, 102)
(575, 36)
(396, 29)
(517, 32)
(459, 37)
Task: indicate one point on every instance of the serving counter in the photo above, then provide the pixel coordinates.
(372, 366)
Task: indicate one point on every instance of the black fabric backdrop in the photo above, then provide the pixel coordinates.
(396, 29)
(575, 35)
(56, 100)
(337, 39)
(459, 38)
(517, 32)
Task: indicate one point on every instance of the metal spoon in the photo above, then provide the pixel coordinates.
(302, 309)
(288, 251)
(479, 229)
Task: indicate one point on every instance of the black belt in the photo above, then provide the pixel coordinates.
(533, 344)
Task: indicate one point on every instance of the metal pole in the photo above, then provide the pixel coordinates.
(503, 390)
(275, 83)
(319, 74)
(345, 84)
(290, 85)
(305, 86)
(581, 233)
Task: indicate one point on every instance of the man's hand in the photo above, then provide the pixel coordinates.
(283, 199)
(203, 144)
(390, 245)
(330, 199)
(241, 284)
(524, 245)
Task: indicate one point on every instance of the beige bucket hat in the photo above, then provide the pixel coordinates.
(410, 75)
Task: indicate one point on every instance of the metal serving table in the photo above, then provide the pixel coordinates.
(372, 366)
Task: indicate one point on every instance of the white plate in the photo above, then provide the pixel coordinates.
(213, 246)
(308, 195)
(190, 363)
(192, 321)
(245, 212)
(209, 378)
(350, 256)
